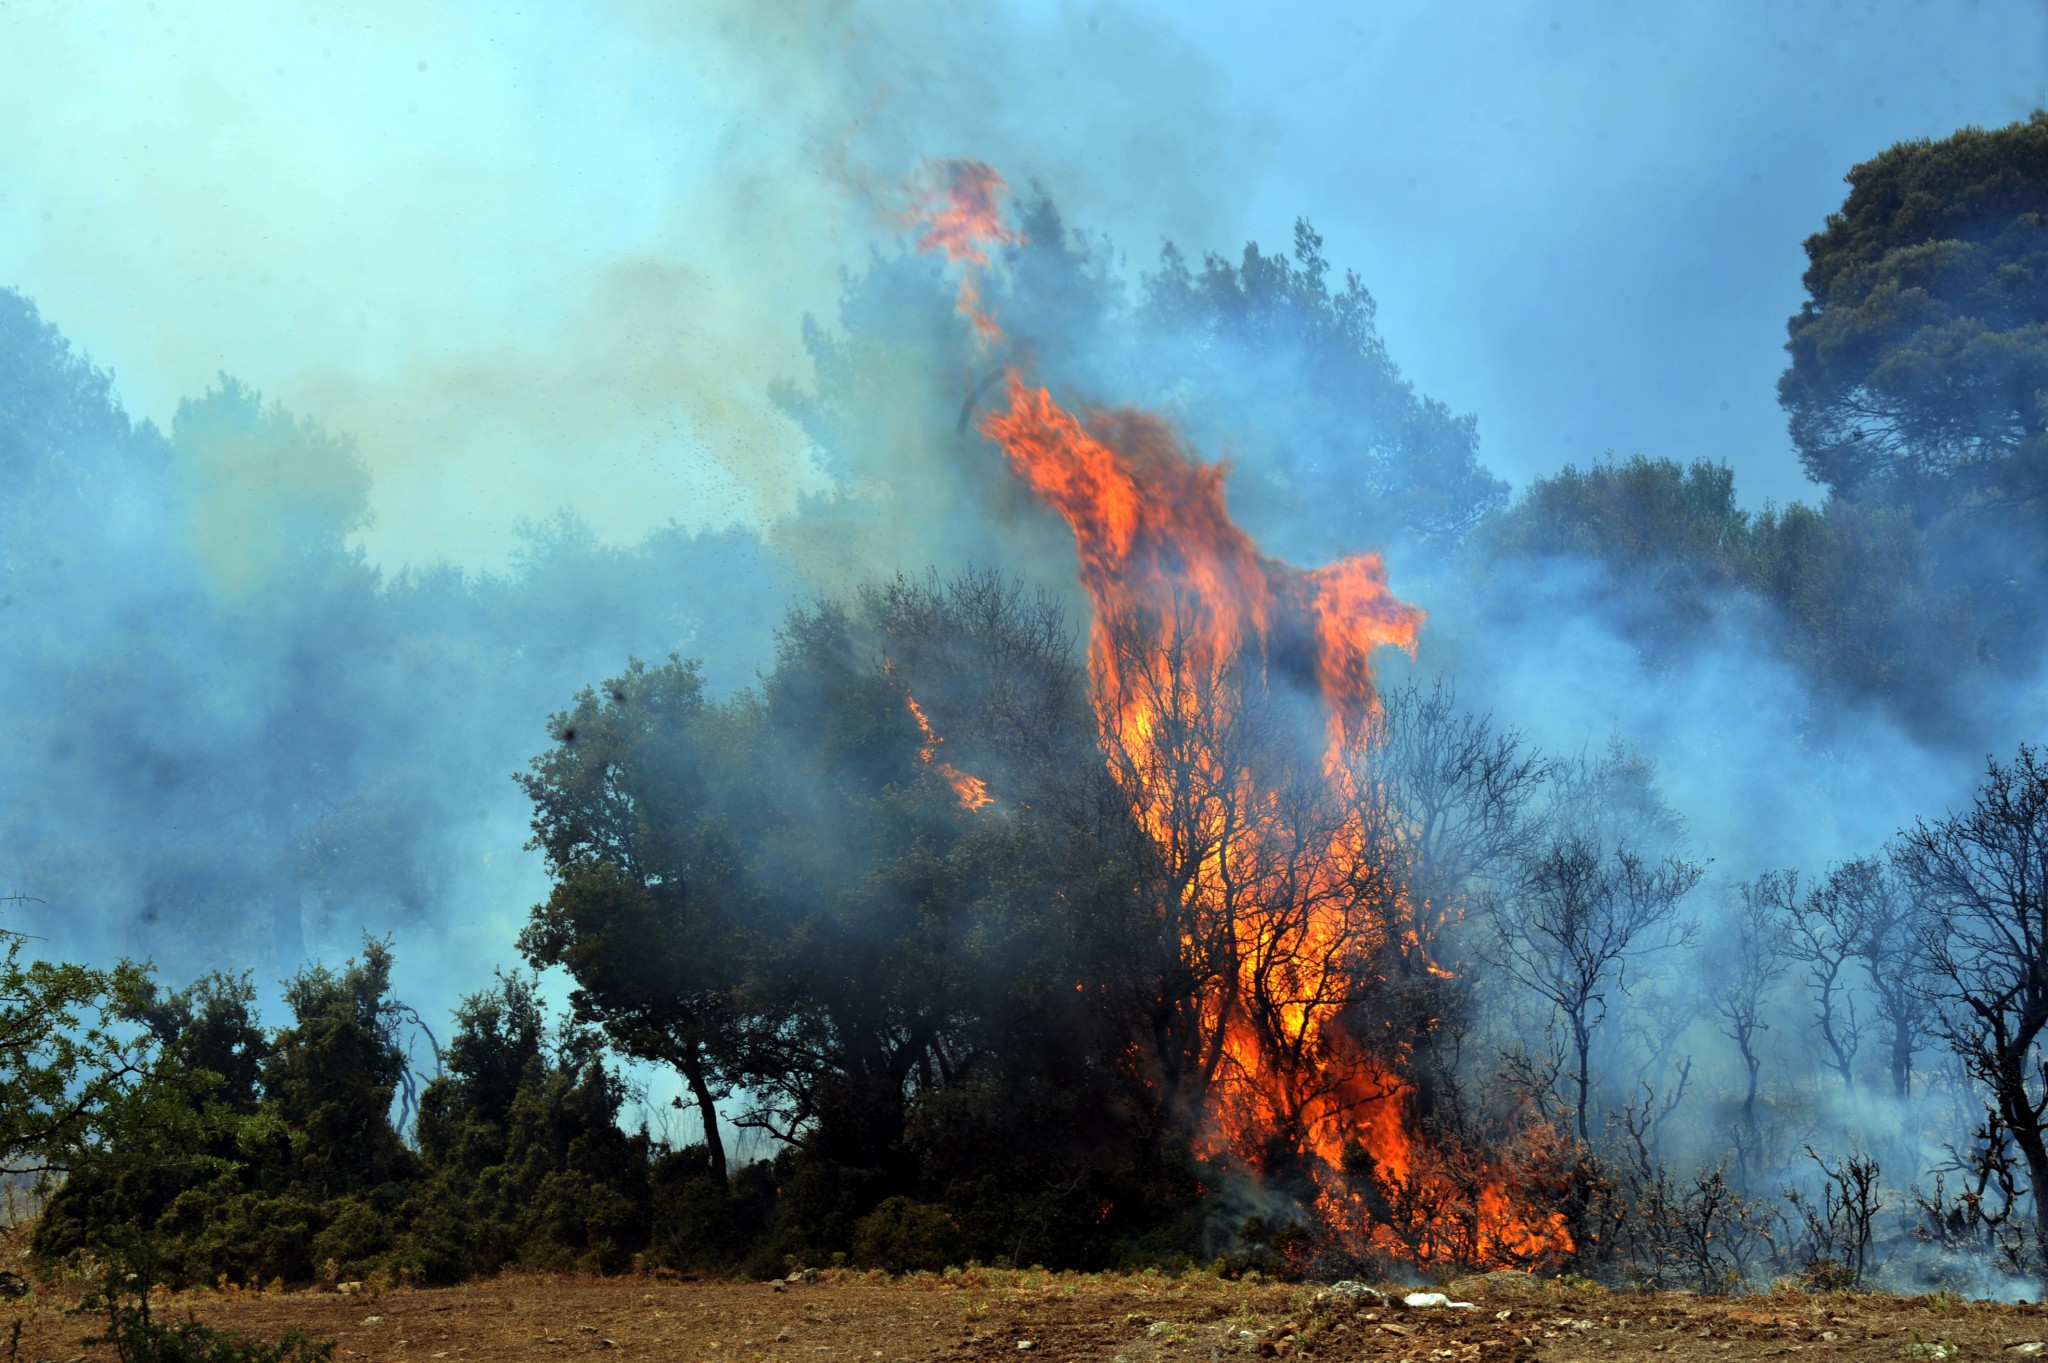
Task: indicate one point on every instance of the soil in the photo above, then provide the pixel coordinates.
(989, 1314)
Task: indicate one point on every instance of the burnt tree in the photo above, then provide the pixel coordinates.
(1981, 879)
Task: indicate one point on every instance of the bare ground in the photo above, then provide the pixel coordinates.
(989, 1314)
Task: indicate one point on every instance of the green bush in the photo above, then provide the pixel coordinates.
(904, 1236)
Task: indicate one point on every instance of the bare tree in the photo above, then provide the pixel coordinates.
(1571, 927)
(1266, 896)
(1750, 963)
(1820, 935)
(1885, 936)
(1981, 877)
(1602, 887)
(1854, 933)
(1461, 792)
(1462, 787)
(1835, 1226)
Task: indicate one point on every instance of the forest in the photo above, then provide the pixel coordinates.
(1188, 908)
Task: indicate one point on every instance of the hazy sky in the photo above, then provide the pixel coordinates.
(556, 254)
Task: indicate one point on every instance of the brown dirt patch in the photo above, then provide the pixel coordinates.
(992, 1315)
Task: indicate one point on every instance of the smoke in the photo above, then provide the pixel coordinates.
(581, 337)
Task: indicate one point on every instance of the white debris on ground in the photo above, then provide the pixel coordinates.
(1435, 1299)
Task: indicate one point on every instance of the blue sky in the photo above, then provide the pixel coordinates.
(555, 254)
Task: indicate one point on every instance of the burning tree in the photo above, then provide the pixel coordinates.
(1234, 697)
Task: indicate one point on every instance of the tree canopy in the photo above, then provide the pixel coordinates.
(1919, 365)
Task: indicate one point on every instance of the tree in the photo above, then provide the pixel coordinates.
(1981, 879)
(837, 891)
(1740, 990)
(1463, 789)
(526, 1158)
(1919, 368)
(334, 1073)
(1820, 933)
(1268, 893)
(1864, 606)
(64, 1054)
(1587, 903)
(210, 1027)
(644, 912)
(1361, 457)
(1858, 915)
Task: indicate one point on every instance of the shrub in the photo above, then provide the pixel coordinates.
(904, 1236)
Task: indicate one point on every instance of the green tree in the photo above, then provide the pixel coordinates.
(1919, 365)
(802, 892)
(333, 1074)
(628, 815)
(1359, 454)
(65, 1054)
(211, 1027)
(1863, 604)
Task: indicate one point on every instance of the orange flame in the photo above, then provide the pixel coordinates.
(959, 214)
(970, 791)
(1281, 873)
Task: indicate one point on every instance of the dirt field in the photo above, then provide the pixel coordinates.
(991, 1315)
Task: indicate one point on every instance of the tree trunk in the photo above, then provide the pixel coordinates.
(707, 1108)
(2022, 1119)
(1902, 1056)
(1582, 1041)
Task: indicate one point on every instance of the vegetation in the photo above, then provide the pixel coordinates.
(891, 914)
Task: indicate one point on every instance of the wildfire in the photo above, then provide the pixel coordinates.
(1199, 645)
(970, 791)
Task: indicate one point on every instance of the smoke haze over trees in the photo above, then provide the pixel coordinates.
(1704, 861)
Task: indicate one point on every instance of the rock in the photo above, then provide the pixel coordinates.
(1420, 1299)
(1342, 1298)
(803, 1275)
(348, 1289)
(1025, 1346)
(776, 1286)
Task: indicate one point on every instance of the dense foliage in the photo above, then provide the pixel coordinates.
(255, 1154)
(1919, 362)
(1849, 592)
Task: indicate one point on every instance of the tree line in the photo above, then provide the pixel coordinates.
(974, 1031)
